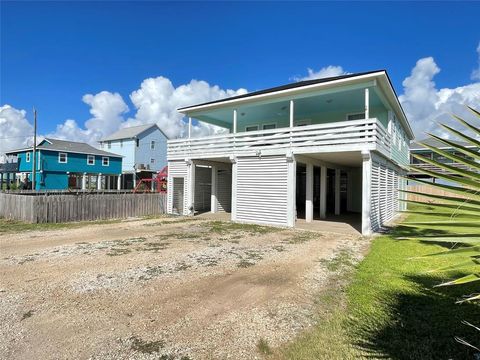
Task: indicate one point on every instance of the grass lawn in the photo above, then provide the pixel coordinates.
(387, 306)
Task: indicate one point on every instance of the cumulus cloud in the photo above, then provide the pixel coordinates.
(476, 73)
(327, 71)
(425, 105)
(158, 99)
(15, 130)
(107, 110)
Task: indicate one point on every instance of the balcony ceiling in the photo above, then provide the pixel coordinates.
(338, 102)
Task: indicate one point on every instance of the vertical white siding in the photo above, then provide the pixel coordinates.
(261, 186)
(385, 183)
(224, 190)
(176, 169)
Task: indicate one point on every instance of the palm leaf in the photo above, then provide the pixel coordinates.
(461, 280)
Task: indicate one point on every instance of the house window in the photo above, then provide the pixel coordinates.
(109, 144)
(138, 142)
(152, 145)
(251, 128)
(356, 116)
(27, 157)
(269, 126)
(105, 161)
(91, 159)
(152, 161)
(62, 158)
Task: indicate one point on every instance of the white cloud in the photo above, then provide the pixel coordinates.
(107, 110)
(476, 73)
(425, 105)
(157, 100)
(15, 130)
(327, 71)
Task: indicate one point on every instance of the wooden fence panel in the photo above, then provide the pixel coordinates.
(56, 208)
(425, 189)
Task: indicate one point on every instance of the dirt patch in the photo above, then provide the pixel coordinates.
(173, 288)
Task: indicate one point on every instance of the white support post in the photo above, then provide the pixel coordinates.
(337, 191)
(235, 121)
(213, 198)
(367, 104)
(366, 192)
(191, 188)
(84, 181)
(309, 194)
(134, 177)
(99, 182)
(291, 187)
(119, 182)
(233, 160)
(292, 112)
(323, 192)
(189, 127)
(152, 185)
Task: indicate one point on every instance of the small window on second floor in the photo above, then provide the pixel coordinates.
(152, 161)
(251, 128)
(90, 159)
(269, 126)
(356, 116)
(27, 157)
(105, 161)
(62, 158)
(152, 145)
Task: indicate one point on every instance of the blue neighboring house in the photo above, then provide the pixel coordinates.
(144, 151)
(69, 165)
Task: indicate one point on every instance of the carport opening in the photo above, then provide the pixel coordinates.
(203, 189)
(178, 194)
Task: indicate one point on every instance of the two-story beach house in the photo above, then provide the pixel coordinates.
(307, 150)
(64, 164)
(144, 151)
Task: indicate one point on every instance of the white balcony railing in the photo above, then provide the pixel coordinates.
(336, 136)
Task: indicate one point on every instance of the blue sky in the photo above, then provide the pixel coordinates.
(53, 53)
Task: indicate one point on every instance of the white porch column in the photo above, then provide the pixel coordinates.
(233, 160)
(309, 194)
(292, 112)
(134, 177)
(366, 193)
(152, 188)
(323, 192)
(191, 188)
(213, 199)
(189, 127)
(235, 121)
(84, 181)
(119, 182)
(337, 191)
(291, 187)
(367, 104)
(99, 182)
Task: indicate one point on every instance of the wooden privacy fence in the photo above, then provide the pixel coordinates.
(47, 208)
(425, 189)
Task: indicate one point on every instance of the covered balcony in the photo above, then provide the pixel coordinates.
(346, 118)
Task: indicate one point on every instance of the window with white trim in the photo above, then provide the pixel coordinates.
(62, 158)
(90, 159)
(251, 128)
(152, 161)
(152, 145)
(105, 161)
(27, 157)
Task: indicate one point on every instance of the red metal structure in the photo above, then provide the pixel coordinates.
(155, 184)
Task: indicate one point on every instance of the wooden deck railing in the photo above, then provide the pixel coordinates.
(335, 136)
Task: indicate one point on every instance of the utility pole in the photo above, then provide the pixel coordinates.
(34, 170)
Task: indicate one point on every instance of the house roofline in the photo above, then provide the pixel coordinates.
(133, 137)
(12, 152)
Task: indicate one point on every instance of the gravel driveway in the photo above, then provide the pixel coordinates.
(166, 288)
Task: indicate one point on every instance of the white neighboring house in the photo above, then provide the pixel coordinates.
(313, 149)
(144, 151)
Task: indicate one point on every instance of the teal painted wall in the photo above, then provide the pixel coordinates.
(78, 163)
